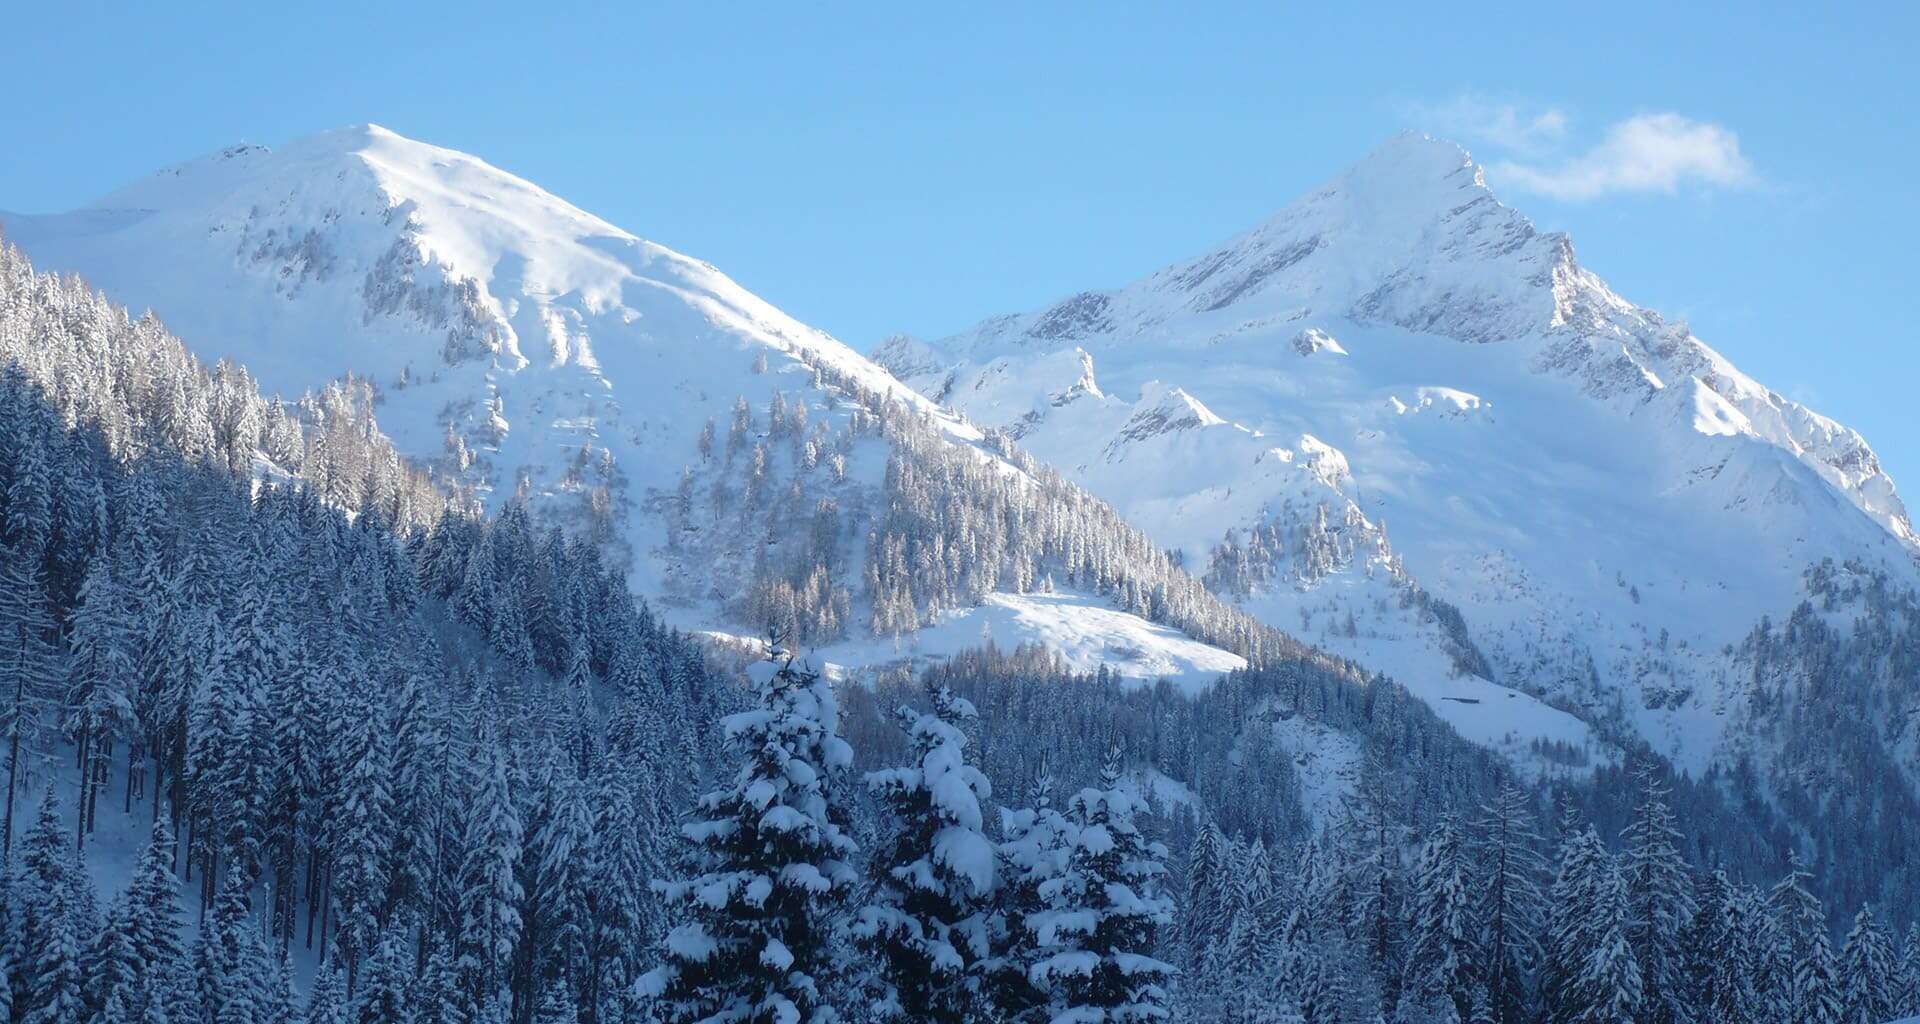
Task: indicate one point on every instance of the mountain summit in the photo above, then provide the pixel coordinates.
(1415, 395)
(525, 348)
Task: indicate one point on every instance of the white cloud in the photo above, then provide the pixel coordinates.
(1516, 127)
(1645, 153)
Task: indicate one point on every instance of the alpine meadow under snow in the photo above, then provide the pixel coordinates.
(1373, 619)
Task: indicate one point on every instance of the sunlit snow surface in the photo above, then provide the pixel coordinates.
(1608, 501)
(1085, 633)
(360, 250)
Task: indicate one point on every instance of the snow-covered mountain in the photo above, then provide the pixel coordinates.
(526, 347)
(1403, 423)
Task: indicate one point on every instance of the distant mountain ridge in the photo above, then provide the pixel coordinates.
(1400, 385)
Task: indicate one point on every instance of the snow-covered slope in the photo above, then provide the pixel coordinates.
(523, 345)
(1403, 400)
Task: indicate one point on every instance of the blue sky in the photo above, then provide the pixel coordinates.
(882, 168)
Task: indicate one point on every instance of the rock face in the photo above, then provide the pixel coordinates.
(1398, 394)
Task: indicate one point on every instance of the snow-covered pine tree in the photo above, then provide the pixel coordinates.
(328, 1002)
(1906, 984)
(50, 922)
(1202, 911)
(624, 916)
(101, 680)
(1867, 976)
(1816, 982)
(363, 827)
(29, 669)
(1796, 919)
(1440, 948)
(283, 998)
(1373, 837)
(436, 995)
(1103, 914)
(926, 924)
(1032, 852)
(230, 969)
(757, 919)
(1589, 974)
(490, 892)
(382, 995)
(1706, 942)
(557, 926)
(1659, 897)
(1510, 907)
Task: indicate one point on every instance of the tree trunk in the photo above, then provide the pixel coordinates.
(86, 786)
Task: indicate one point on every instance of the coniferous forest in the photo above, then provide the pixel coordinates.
(293, 733)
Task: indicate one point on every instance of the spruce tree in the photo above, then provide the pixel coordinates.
(328, 1002)
(30, 667)
(1510, 907)
(1589, 974)
(1660, 898)
(1440, 948)
(1033, 853)
(1867, 976)
(756, 920)
(102, 678)
(384, 984)
(1203, 910)
(926, 924)
(490, 891)
(1906, 981)
(364, 826)
(51, 923)
(1816, 983)
(1794, 980)
(1103, 914)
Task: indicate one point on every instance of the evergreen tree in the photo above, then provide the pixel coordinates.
(1440, 953)
(1032, 855)
(1203, 910)
(1510, 906)
(436, 996)
(756, 920)
(1660, 900)
(1795, 980)
(490, 892)
(1867, 976)
(381, 995)
(1590, 976)
(1906, 981)
(1816, 983)
(283, 1000)
(1103, 914)
(926, 924)
(29, 669)
(624, 920)
(50, 919)
(101, 680)
(229, 963)
(1712, 953)
(328, 1003)
(364, 824)
(557, 922)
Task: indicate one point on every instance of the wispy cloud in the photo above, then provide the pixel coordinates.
(1521, 128)
(1645, 153)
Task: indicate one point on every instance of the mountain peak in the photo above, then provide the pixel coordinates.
(1410, 234)
(1411, 157)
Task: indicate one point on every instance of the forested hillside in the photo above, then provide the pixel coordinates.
(291, 735)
